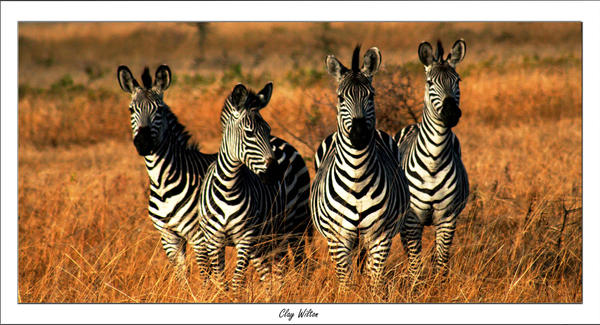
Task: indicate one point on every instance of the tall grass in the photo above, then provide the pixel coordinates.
(84, 234)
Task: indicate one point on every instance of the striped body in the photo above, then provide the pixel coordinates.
(431, 159)
(175, 167)
(359, 191)
(260, 219)
(176, 172)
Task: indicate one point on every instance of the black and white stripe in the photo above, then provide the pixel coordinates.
(175, 166)
(431, 158)
(359, 191)
(255, 196)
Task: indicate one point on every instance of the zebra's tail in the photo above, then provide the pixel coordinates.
(361, 260)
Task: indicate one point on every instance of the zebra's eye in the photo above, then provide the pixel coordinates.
(429, 82)
(248, 133)
(341, 99)
(130, 110)
(371, 96)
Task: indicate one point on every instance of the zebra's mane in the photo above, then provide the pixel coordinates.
(146, 78)
(356, 58)
(439, 57)
(250, 101)
(178, 131)
(253, 100)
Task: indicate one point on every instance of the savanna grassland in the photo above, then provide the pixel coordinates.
(84, 233)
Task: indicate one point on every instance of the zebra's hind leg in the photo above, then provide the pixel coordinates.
(411, 233)
(174, 245)
(444, 233)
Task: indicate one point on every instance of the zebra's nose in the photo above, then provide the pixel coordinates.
(451, 113)
(143, 141)
(449, 103)
(360, 133)
(272, 173)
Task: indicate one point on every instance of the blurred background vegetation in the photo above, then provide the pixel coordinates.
(74, 64)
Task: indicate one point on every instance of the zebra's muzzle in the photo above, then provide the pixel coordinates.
(360, 133)
(272, 174)
(143, 141)
(451, 113)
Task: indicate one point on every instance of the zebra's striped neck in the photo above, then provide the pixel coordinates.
(433, 137)
(227, 169)
(355, 160)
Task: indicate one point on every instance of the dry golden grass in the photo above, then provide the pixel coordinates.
(84, 234)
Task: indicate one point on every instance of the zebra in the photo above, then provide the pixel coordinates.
(255, 195)
(431, 159)
(359, 191)
(175, 166)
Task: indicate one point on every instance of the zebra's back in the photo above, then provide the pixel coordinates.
(296, 181)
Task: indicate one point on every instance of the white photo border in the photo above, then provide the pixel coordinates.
(586, 12)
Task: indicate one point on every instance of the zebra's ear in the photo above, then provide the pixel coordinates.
(126, 79)
(426, 53)
(371, 62)
(459, 49)
(162, 77)
(264, 96)
(238, 96)
(335, 68)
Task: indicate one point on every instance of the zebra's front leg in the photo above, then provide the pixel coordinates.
(174, 246)
(444, 233)
(216, 255)
(411, 233)
(342, 257)
(201, 253)
(377, 256)
(239, 275)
